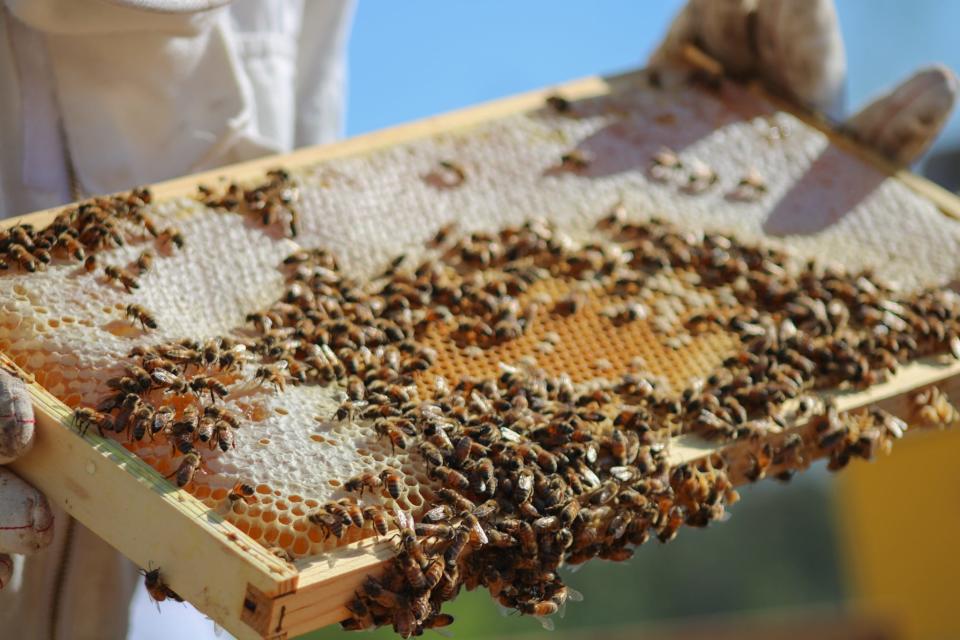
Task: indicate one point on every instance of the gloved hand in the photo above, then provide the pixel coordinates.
(26, 521)
(795, 47)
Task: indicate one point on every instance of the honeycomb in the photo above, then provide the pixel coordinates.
(68, 327)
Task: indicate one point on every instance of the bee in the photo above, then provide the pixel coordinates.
(569, 304)
(169, 381)
(666, 159)
(142, 419)
(538, 608)
(559, 104)
(199, 384)
(431, 454)
(441, 531)
(451, 555)
(393, 483)
(362, 482)
(404, 622)
(478, 537)
(23, 257)
(701, 177)
(161, 419)
(145, 261)
(338, 510)
(273, 375)
(397, 438)
(222, 436)
(188, 468)
(451, 478)
(141, 315)
(327, 522)
(70, 244)
(443, 234)
(204, 431)
(84, 417)
(412, 571)
(90, 264)
(375, 515)
(171, 235)
(433, 573)
(353, 512)
(456, 500)
(441, 513)
(411, 547)
(241, 491)
(156, 588)
(219, 413)
(752, 182)
(574, 160)
(114, 273)
(458, 174)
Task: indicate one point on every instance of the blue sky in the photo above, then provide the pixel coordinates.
(420, 57)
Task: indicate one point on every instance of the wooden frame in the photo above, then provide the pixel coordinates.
(247, 590)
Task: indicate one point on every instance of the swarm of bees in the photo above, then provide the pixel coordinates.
(530, 471)
(271, 203)
(142, 407)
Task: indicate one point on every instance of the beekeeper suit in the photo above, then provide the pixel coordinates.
(100, 95)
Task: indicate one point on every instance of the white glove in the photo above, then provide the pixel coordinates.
(26, 521)
(795, 47)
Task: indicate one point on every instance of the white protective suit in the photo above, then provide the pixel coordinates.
(101, 95)
(127, 92)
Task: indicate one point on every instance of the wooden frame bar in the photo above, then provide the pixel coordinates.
(246, 589)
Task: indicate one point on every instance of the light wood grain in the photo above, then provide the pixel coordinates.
(127, 503)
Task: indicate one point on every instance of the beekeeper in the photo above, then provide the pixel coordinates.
(97, 96)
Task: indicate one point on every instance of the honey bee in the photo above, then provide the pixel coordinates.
(219, 413)
(114, 273)
(222, 436)
(142, 419)
(339, 511)
(272, 374)
(169, 381)
(328, 523)
(752, 183)
(412, 571)
(569, 304)
(574, 160)
(385, 428)
(353, 512)
(430, 453)
(188, 468)
(393, 483)
(375, 515)
(559, 104)
(161, 419)
(204, 431)
(457, 172)
(451, 478)
(478, 536)
(141, 315)
(145, 261)
(410, 546)
(171, 235)
(23, 257)
(199, 384)
(362, 482)
(541, 608)
(69, 243)
(241, 491)
(443, 234)
(84, 417)
(156, 588)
